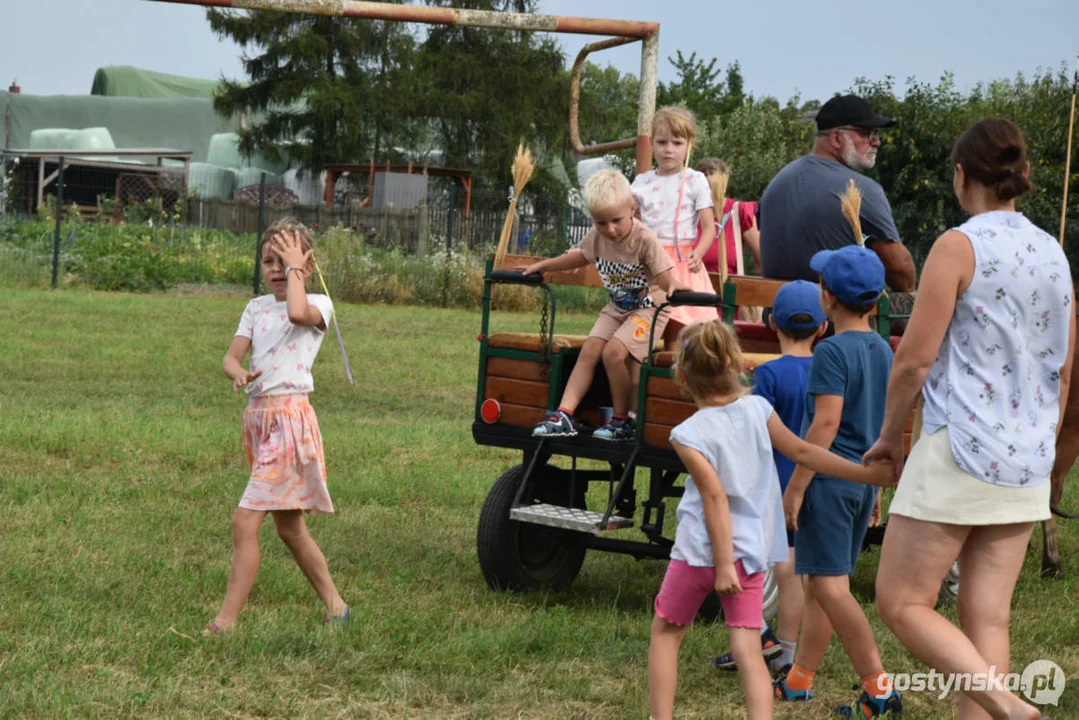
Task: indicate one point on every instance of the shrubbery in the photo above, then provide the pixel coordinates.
(140, 258)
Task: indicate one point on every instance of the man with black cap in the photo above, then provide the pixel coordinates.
(800, 209)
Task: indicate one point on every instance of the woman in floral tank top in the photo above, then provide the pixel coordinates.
(989, 347)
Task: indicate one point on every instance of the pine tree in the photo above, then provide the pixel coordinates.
(486, 90)
(320, 89)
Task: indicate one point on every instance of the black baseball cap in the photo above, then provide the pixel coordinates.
(849, 110)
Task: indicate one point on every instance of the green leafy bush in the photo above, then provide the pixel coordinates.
(143, 258)
(913, 165)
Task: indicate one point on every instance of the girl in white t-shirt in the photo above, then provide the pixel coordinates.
(281, 436)
(730, 518)
(673, 200)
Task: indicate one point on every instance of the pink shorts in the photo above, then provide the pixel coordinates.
(686, 586)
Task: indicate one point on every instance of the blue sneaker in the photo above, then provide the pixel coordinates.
(784, 694)
(869, 707)
(617, 430)
(558, 424)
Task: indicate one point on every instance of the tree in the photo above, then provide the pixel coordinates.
(321, 89)
(608, 104)
(487, 90)
(755, 140)
(608, 110)
(914, 162)
(700, 89)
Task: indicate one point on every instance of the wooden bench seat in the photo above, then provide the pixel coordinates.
(532, 342)
(752, 360)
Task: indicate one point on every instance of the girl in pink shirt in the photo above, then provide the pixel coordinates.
(672, 200)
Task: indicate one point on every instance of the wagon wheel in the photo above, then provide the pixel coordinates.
(523, 556)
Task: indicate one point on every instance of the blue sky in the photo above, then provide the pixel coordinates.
(784, 46)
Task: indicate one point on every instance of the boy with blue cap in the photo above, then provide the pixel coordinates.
(798, 321)
(846, 389)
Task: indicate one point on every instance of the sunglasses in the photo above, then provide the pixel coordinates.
(864, 133)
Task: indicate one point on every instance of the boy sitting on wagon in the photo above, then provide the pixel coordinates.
(635, 270)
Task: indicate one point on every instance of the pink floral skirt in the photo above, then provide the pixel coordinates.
(695, 281)
(284, 447)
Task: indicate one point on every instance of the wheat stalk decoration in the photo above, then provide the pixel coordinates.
(851, 202)
(718, 182)
(523, 165)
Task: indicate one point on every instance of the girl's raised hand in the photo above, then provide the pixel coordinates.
(727, 579)
(244, 379)
(287, 245)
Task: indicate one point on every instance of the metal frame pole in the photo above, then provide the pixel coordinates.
(440, 16)
(623, 30)
(646, 104)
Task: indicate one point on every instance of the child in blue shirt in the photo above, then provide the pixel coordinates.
(729, 518)
(847, 384)
(798, 321)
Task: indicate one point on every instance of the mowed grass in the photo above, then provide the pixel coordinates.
(122, 464)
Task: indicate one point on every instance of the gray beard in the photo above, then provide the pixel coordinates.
(853, 160)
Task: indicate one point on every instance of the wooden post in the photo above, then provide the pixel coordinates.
(421, 240)
(331, 181)
(59, 219)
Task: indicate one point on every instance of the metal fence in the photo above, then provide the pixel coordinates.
(79, 227)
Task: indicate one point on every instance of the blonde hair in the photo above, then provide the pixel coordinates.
(709, 361)
(712, 165)
(679, 121)
(606, 189)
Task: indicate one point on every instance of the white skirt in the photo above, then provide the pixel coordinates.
(933, 488)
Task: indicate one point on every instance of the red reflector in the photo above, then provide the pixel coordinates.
(490, 410)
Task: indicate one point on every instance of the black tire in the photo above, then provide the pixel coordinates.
(523, 557)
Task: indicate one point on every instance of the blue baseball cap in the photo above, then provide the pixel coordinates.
(853, 274)
(800, 297)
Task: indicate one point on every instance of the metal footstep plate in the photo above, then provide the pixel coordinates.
(568, 518)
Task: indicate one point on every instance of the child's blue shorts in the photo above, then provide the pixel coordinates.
(831, 526)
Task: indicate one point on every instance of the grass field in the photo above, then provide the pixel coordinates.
(122, 464)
